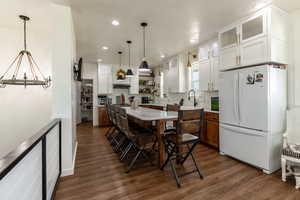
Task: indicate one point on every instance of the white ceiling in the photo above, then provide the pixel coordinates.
(172, 23)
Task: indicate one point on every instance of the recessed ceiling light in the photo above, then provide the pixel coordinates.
(193, 40)
(162, 56)
(99, 60)
(105, 48)
(115, 23)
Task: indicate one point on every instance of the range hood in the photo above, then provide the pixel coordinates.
(121, 86)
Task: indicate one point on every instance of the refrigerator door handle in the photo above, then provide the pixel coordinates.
(235, 96)
(238, 98)
(244, 131)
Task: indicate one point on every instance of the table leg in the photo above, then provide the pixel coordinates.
(161, 148)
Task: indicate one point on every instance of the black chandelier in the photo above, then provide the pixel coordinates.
(144, 67)
(13, 79)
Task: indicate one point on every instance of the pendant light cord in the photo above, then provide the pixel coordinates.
(129, 55)
(144, 42)
(120, 53)
(25, 42)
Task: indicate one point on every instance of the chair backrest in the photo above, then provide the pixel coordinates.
(108, 107)
(190, 121)
(173, 107)
(124, 122)
(293, 126)
(117, 113)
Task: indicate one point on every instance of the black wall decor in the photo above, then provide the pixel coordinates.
(78, 70)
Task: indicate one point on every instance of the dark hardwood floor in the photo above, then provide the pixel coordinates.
(100, 175)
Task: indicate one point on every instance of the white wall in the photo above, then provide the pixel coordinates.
(294, 68)
(90, 71)
(24, 111)
(64, 87)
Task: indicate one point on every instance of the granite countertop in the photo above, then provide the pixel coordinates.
(147, 114)
(185, 107)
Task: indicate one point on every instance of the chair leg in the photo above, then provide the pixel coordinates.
(194, 160)
(175, 173)
(195, 163)
(114, 137)
(283, 169)
(133, 161)
(107, 134)
(168, 158)
(297, 178)
(147, 157)
(124, 154)
(118, 146)
(189, 152)
(154, 144)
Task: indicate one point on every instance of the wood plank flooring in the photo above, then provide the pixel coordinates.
(99, 175)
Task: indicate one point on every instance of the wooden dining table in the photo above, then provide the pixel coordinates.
(160, 117)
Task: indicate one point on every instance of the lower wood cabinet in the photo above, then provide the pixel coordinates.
(210, 134)
(103, 117)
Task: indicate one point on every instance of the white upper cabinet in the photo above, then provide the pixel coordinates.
(209, 68)
(229, 37)
(229, 47)
(214, 73)
(253, 27)
(204, 75)
(175, 76)
(256, 39)
(104, 79)
(134, 82)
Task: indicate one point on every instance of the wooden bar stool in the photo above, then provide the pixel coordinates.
(189, 122)
(138, 141)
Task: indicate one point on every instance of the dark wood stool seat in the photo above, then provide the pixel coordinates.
(183, 139)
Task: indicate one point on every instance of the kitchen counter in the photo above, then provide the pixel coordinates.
(184, 107)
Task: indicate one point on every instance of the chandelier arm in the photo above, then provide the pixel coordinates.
(10, 66)
(18, 66)
(31, 67)
(37, 66)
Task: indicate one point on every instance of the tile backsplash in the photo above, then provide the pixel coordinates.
(203, 99)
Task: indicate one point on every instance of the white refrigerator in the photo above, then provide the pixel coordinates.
(253, 103)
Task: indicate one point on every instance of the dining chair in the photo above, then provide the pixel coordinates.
(190, 123)
(113, 132)
(120, 138)
(112, 127)
(290, 158)
(138, 141)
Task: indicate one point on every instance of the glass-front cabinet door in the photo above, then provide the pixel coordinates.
(253, 27)
(229, 37)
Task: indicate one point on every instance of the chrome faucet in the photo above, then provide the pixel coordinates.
(189, 96)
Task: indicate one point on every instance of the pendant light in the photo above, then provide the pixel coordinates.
(11, 77)
(144, 67)
(129, 72)
(121, 74)
(189, 62)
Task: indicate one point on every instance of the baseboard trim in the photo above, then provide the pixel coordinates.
(70, 171)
